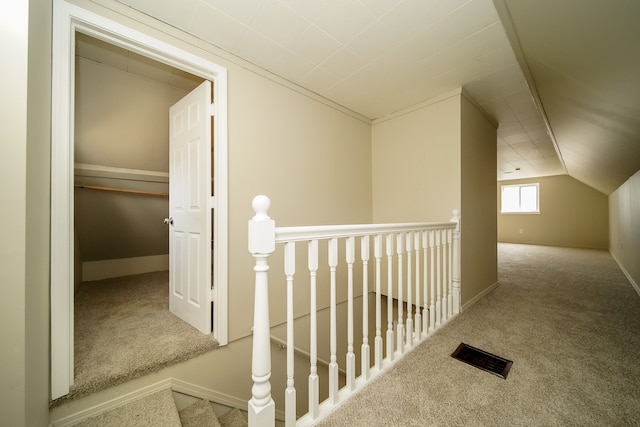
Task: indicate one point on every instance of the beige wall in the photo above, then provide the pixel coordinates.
(416, 163)
(435, 158)
(624, 228)
(479, 263)
(13, 173)
(24, 186)
(122, 119)
(307, 157)
(112, 225)
(571, 214)
(38, 218)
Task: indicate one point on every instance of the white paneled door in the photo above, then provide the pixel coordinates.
(189, 210)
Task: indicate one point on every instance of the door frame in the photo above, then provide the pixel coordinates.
(67, 19)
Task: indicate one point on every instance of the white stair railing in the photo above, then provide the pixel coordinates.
(427, 257)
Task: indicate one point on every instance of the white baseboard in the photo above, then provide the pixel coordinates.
(106, 269)
(113, 403)
(478, 297)
(626, 273)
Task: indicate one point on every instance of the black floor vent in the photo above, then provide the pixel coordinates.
(482, 360)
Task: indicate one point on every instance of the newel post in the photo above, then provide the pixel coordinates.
(455, 273)
(261, 244)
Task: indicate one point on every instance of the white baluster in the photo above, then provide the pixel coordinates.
(351, 357)
(455, 274)
(438, 278)
(445, 272)
(432, 287)
(314, 385)
(333, 361)
(418, 318)
(261, 407)
(290, 392)
(389, 251)
(377, 253)
(425, 280)
(364, 349)
(450, 275)
(409, 320)
(400, 325)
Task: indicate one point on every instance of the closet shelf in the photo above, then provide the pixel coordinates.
(121, 190)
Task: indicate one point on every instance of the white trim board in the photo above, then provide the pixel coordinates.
(112, 404)
(626, 273)
(478, 297)
(69, 18)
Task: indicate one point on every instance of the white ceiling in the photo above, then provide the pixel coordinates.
(376, 57)
(131, 62)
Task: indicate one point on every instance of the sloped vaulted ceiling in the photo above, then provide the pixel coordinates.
(583, 60)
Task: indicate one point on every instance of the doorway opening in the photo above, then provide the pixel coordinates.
(71, 22)
(122, 324)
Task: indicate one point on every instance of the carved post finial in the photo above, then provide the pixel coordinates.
(261, 227)
(456, 216)
(261, 205)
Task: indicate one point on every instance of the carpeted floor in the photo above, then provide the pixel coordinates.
(569, 320)
(124, 330)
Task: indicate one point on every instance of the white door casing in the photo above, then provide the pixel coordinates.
(92, 19)
(189, 211)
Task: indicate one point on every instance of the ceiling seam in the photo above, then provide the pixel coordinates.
(507, 23)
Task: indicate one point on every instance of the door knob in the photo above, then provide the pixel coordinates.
(168, 221)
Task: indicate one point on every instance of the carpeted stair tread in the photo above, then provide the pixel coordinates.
(155, 410)
(199, 414)
(233, 418)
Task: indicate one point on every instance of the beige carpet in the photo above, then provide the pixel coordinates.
(569, 320)
(124, 330)
(199, 414)
(202, 414)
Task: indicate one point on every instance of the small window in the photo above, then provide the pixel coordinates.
(520, 199)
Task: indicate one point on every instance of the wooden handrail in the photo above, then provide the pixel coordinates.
(122, 190)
